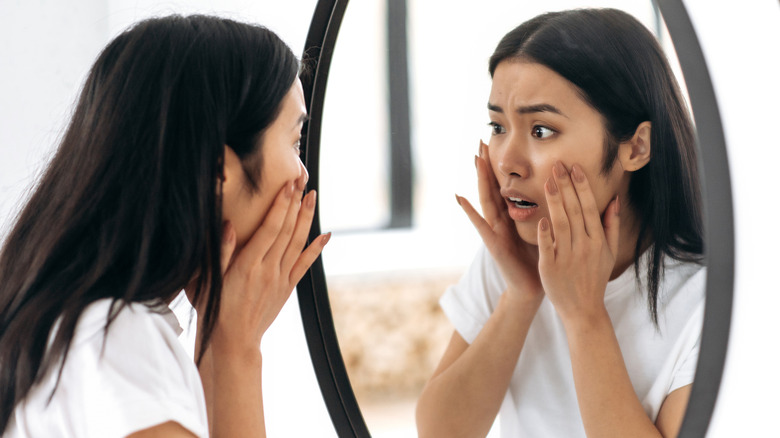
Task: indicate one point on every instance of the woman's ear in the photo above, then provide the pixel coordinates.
(232, 170)
(635, 153)
(231, 181)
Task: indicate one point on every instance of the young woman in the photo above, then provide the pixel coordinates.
(582, 315)
(180, 170)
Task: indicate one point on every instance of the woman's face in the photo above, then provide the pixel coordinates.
(538, 118)
(246, 208)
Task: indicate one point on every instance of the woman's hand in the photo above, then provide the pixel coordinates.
(516, 259)
(260, 278)
(577, 254)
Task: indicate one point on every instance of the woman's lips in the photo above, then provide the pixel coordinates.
(520, 209)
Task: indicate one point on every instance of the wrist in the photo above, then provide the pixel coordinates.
(521, 301)
(586, 320)
(235, 349)
(525, 296)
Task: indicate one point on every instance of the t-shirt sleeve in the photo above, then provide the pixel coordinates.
(142, 378)
(469, 304)
(685, 368)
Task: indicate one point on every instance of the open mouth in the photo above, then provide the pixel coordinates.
(522, 203)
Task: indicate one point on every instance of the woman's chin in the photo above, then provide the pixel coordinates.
(527, 232)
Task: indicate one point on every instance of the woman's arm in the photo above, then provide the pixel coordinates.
(670, 416)
(257, 281)
(608, 403)
(575, 267)
(465, 393)
(170, 429)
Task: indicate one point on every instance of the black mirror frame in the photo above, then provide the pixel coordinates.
(312, 289)
(719, 227)
(718, 218)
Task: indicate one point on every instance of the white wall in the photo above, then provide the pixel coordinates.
(741, 42)
(46, 49)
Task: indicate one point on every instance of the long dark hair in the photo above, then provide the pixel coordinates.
(129, 208)
(622, 72)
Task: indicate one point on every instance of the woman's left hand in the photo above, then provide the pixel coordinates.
(576, 252)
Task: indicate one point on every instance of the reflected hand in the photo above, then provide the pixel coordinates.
(577, 253)
(516, 259)
(260, 278)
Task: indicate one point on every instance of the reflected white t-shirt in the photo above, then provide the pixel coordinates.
(140, 377)
(541, 400)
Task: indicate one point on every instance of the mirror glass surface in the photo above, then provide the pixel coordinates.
(384, 281)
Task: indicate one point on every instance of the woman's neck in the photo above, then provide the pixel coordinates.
(629, 234)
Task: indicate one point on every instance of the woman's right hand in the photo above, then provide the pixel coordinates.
(517, 260)
(259, 279)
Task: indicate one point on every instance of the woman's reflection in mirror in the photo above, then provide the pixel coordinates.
(179, 170)
(581, 315)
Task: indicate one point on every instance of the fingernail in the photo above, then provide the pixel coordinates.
(559, 170)
(617, 206)
(457, 199)
(290, 189)
(577, 173)
(300, 184)
(312, 199)
(551, 186)
(325, 238)
(481, 147)
(543, 224)
(475, 160)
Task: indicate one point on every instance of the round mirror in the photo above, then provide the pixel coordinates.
(390, 142)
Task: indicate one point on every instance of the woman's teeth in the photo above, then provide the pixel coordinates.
(522, 203)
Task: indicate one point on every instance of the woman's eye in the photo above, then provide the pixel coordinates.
(496, 129)
(542, 132)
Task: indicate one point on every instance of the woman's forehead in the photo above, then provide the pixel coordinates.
(520, 85)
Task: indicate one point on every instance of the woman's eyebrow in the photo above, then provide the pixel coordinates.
(302, 119)
(537, 108)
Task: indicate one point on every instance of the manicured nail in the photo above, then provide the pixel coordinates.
(551, 186)
(288, 192)
(577, 173)
(311, 200)
(325, 238)
(543, 224)
(481, 148)
(457, 199)
(559, 170)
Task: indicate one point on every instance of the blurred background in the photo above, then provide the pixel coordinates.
(404, 112)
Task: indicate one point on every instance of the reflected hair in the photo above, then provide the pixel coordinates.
(129, 207)
(621, 71)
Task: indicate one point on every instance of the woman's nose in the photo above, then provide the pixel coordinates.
(303, 172)
(513, 159)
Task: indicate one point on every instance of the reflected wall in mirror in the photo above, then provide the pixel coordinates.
(384, 282)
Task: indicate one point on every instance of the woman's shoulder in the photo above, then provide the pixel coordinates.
(681, 292)
(113, 382)
(684, 275)
(116, 318)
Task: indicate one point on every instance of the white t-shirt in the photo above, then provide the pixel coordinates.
(541, 400)
(143, 377)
